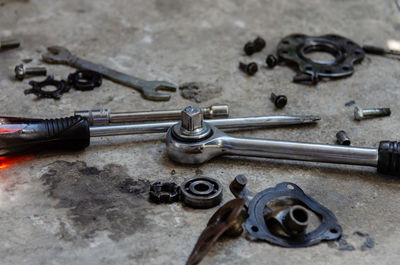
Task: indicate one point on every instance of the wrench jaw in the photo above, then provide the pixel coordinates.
(194, 151)
(150, 90)
(57, 55)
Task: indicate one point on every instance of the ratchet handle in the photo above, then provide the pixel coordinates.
(389, 158)
(22, 135)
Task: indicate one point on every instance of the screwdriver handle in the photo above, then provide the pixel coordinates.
(389, 158)
(23, 135)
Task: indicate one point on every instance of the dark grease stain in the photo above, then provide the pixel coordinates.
(199, 92)
(343, 245)
(94, 199)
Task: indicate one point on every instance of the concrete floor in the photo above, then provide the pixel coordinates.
(73, 209)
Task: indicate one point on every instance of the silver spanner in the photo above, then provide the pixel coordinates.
(148, 89)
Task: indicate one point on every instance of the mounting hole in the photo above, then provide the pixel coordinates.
(201, 187)
(286, 42)
(357, 52)
(333, 231)
(290, 186)
(300, 215)
(308, 68)
(328, 71)
(254, 229)
(284, 52)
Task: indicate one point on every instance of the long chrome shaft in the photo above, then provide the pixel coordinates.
(105, 117)
(225, 124)
(300, 151)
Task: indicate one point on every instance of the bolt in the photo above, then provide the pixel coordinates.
(21, 71)
(306, 79)
(342, 138)
(249, 69)
(9, 44)
(279, 101)
(259, 44)
(271, 61)
(249, 48)
(192, 118)
(361, 114)
(238, 184)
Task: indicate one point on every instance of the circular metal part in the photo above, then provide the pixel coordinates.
(19, 72)
(295, 50)
(249, 48)
(279, 101)
(85, 80)
(329, 228)
(271, 61)
(201, 192)
(37, 88)
(259, 44)
(249, 69)
(164, 192)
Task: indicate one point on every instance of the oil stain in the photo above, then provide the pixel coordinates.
(344, 245)
(199, 92)
(95, 200)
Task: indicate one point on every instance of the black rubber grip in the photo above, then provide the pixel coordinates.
(22, 135)
(374, 50)
(389, 158)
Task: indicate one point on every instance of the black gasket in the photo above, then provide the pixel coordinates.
(164, 192)
(329, 228)
(85, 80)
(37, 88)
(293, 50)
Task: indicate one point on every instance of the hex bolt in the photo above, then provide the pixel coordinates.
(342, 138)
(361, 114)
(249, 48)
(279, 101)
(259, 44)
(249, 69)
(9, 44)
(192, 118)
(21, 71)
(271, 61)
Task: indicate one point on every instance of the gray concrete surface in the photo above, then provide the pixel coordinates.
(72, 208)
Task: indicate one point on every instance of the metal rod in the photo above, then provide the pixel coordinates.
(300, 151)
(105, 117)
(235, 124)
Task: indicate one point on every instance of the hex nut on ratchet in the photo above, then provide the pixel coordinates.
(201, 192)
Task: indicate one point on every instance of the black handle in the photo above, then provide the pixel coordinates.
(389, 158)
(22, 135)
(374, 50)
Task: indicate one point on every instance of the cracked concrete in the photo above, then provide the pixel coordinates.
(68, 208)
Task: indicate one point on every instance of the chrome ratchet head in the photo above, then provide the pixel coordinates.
(57, 55)
(194, 150)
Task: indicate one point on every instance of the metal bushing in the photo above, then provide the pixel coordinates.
(201, 192)
(164, 192)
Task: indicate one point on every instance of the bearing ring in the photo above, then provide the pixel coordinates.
(201, 192)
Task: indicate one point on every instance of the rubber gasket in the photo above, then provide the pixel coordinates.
(293, 50)
(37, 88)
(329, 228)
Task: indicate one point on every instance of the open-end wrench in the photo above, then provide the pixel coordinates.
(148, 89)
